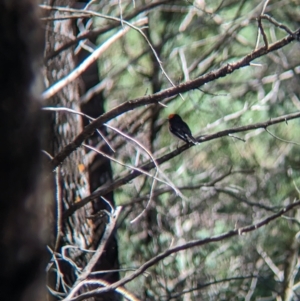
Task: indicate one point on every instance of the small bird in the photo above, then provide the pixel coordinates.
(180, 129)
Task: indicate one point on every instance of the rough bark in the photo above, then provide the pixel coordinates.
(100, 172)
(75, 177)
(71, 180)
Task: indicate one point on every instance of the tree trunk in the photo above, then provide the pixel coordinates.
(76, 177)
(23, 195)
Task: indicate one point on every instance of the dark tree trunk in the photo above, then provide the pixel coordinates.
(23, 195)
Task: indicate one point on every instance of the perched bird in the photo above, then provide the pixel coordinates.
(180, 129)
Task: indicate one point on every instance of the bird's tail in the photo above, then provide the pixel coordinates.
(192, 139)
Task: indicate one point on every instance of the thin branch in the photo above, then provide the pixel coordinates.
(280, 25)
(280, 139)
(95, 258)
(191, 244)
(228, 117)
(277, 272)
(65, 256)
(64, 109)
(194, 187)
(168, 181)
(148, 203)
(157, 97)
(59, 274)
(59, 206)
(263, 33)
(141, 171)
(203, 285)
(262, 12)
(244, 200)
(252, 288)
(64, 17)
(260, 125)
(121, 12)
(121, 290)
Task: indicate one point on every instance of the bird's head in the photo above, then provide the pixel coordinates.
(174, 117)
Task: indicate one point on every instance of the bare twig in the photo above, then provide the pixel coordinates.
(263, 32)
(203, 285)
(59, 274)
(148, 203)
(121, 290)
(280, 25)
(228, 117)
(259, 31)
(141, 171)
(95, 258)
(244, 200)
(64, 109)
(277, 272)
(59, 206)
(96, 32)
(64, 17)
(280, 139)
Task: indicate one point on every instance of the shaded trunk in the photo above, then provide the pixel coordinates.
(23, 195)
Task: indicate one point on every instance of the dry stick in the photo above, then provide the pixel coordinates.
(263, 33)
(283, 140)
(260, 26)
(121, 290)
(191, 244)
(64, 17)
(89, 267)
(245, 200)
(65, 109)
(59, 207)
(127, 165)
(280, 25)
(148, 166)
(97, 32)
(148, 203)
(155, 98)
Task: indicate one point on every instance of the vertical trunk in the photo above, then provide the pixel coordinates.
(100, 172)
(76, 176)
(71, 177)
(23, 233)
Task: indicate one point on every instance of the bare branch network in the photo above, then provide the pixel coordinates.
(191, 244)
(160, 96)
(75, 293)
